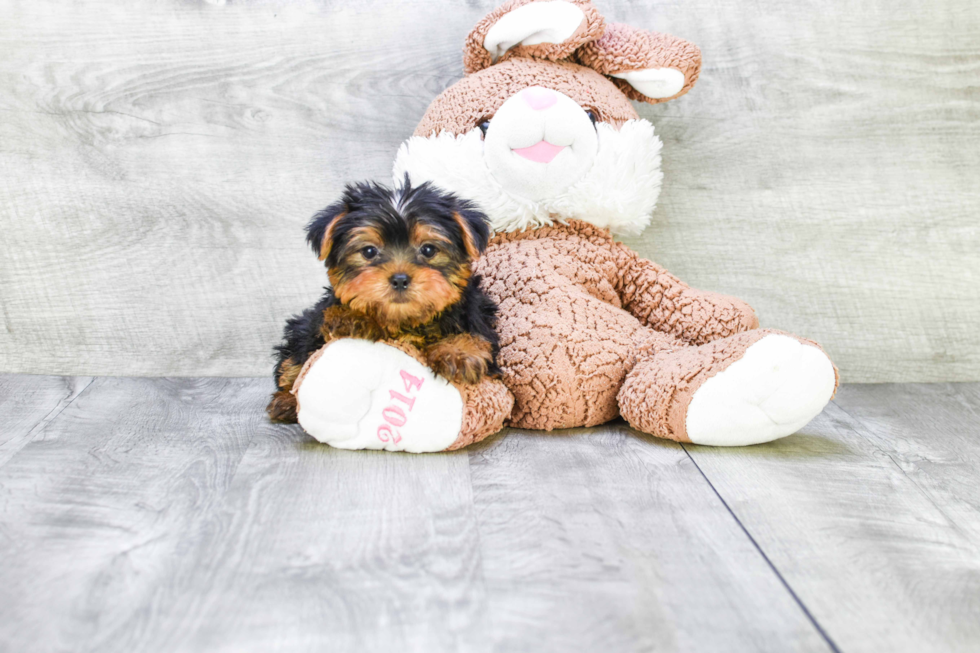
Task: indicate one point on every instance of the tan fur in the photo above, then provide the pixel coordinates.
(463, 358)
(370, 294)
(343, 322)
(328, 237)
(282, 408)
(426, 233)
(471, 249)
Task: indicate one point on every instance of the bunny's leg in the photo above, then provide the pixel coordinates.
(357, 394)
(661, 301)
(747, 388)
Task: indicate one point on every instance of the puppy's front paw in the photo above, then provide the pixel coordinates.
(458, 367)
(461, 359)
(339, 322)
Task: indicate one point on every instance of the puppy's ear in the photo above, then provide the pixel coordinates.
(319, 232)
(646, 66)
(475, 227)
(550, 30)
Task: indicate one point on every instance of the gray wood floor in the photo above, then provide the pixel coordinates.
(169, 515)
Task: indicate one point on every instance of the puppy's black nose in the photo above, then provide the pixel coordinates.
(400, 281)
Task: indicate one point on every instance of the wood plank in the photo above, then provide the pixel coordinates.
(28, 403)
(608, 540)
(869, 520)
(317, 549)
(98, 512)
(160, 158)
(163, 514)
(931, 432)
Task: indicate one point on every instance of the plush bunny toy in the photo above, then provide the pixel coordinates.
(541, 134)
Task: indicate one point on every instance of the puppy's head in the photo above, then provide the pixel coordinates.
(400, 255)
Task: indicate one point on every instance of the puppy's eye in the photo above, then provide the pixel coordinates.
(592, 117)
(427, 250)
(484, 126)
(369, 252)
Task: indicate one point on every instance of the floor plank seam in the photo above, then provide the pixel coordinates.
(251, 443)
(809, 615)
(60, 408)
(52, 415)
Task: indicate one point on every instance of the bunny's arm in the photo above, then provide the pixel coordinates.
(662, 301)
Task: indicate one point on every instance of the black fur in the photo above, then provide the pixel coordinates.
(391, 211)
(475, 313)
(302, 336)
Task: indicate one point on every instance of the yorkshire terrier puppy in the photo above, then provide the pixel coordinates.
(399, 262)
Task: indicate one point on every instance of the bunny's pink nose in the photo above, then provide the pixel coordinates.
(539, 99)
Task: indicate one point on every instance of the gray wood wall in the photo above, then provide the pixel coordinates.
(159, 159)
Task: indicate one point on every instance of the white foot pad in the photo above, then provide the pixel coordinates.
(367, 395)
(777, 386)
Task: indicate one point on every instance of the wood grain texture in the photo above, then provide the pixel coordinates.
(608, 540)
(320, 549)
(170, 515)
(101, 512)
(872, 515)
(28, 403)
(159, 159)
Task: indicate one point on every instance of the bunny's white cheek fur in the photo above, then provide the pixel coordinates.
(618, 191)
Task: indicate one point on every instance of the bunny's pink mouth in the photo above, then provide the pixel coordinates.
(540, 152)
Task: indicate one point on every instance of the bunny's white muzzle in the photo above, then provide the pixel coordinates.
(543, 160)
(539, 143)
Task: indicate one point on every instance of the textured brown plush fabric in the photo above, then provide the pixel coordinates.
(623, 48)
(658, 390)
(576, 314)
(476, 57)
(662, 301)
(486, 406)
(475, 98)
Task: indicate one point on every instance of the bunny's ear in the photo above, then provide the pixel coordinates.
(543, 29)
(646, 66)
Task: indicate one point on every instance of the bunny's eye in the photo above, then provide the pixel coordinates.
(592, 117)
(484, 126)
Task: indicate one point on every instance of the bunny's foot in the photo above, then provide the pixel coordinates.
(356, 394)
(752, 387)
